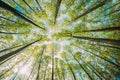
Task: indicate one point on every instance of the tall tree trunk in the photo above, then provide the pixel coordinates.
(92, 9)
(57, 70)
(101, 57)
(17, 13)
(20, 6)
(94, 17)
(14, 78)
(6, 71)
(71, 69)
(57, 9)
(38, 56)
(9, 33)
(8, 55)
(45, 72)
(104, 29)
(39, 66)
(39, 5)
(9, 48)
(81, 66)
(29, 6)
(7, 19)
(106, 41)
(53, 66)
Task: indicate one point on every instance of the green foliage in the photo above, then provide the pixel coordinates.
(77, 39)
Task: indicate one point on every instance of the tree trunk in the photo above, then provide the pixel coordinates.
(71, 70)
(9, 33)
(104, 29)
(52, 66)
(7, 19)
(105, 46)
(8, 55)
(81, 66)
(14, 78)
(92, 9)
(29, 6)
(57, 9)
(39, 66)
(101, 58)
(9, 48)
(17, 13)
(106, 41)
(39, 5)
(20, 6)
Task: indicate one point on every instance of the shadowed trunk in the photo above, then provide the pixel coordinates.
(94, 17)
(39, 5)
(9, 33)
(57, 9)
(53, 66)
(4, 72)
(20, 6)
(29, 6)
(101, 57)
(92, 9)
(8, 55)
(81, 66)
(14, 78)
(17, 13)
(38, 56)
(9, 48)
(71, 70)
(7, 19)
(106, 41)
(39, 66)
(110, 46)
(46, 67)
(104, 29)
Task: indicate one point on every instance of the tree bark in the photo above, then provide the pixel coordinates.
(8, 55)
(17, 13)
(57, 9)
(39, 5)
(92, 9)
(104, 29)
(106, 41)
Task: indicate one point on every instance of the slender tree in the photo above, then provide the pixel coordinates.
(57, 9)
(104, 29)
(7, 19)
(74, 76)
(40, 62)
(8, 55)
(92, 9)
(20, 6)
(29, 6)
(106, 41)
(17, 13)
(9, 48)
(39, 5)
(53, 66)
(9, 33)
(109, 61)
(81, 66)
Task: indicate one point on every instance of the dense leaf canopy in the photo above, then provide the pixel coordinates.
(59, 39)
